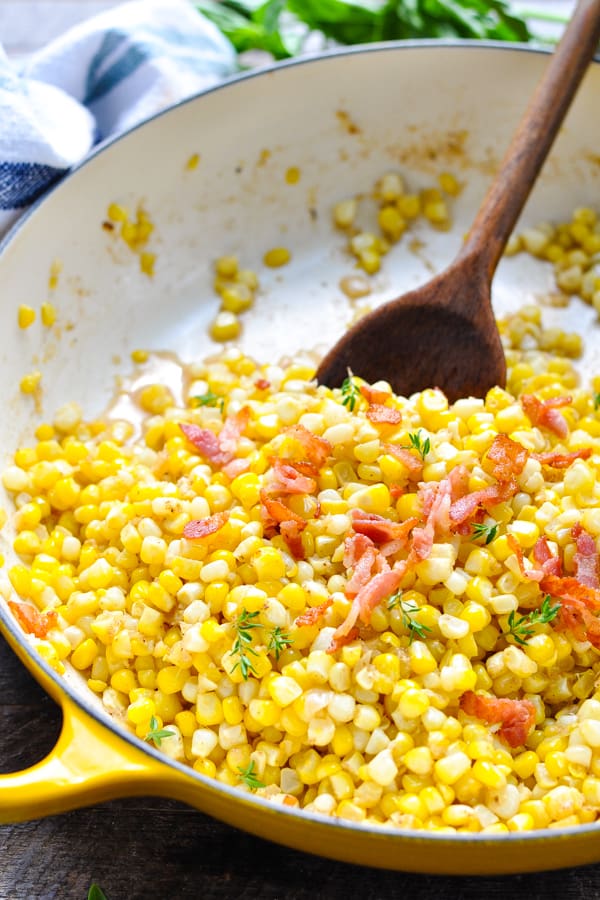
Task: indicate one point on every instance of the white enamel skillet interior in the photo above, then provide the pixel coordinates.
(342, 119)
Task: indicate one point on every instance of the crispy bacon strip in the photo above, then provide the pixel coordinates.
(574, 616)
(219, 449)
(277, 515)
(286, 479)
(379, 414)
(409, 460)
(206, 442)
(562, 460)
(31, 620)
(544, 413)
(314, 614)
(380, 529)
(364, 555)
(316, 448)
(199, 528)
(373, 395)
(338, 642)
(549, 564)
(261, 384)
(569, 590)
(232, 431)
(517, 716)
(370, 595)
(586, 557)
(505, 458)
(236, 467)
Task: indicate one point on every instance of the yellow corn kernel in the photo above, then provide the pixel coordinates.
(84, 655)
(209, 709)
(277, 256)
(26, 316)
(141, 711)
(30, 383)
(123, 680)
(48, 314)
(233, 711)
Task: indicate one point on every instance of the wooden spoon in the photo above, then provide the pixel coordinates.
(444, 334)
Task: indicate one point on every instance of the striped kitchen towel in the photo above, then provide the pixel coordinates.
(100, 78)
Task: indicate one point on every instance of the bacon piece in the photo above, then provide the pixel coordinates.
(380, 529)
(199, 528)
(437, 500)
(206, 442)
(544, 413)
(316, 448)
(354, 547)
(379, 414)
(32, 621)
(517, 716)
(277, 511)
(236, 467)
(562, 460)
(338, 642)
(285, 479)
(276, 515)
(372, 593)
(232, 431)
(531, 574)
(574, 616)
(290, 532)
(466, 507)
(373, 395)
(396, 490)
(314, 614)
(413, 463)
(550, 565)
(261, 384)
(363, 568)
(586, 557)
(218, 449)
(570, 589)
(505, 458)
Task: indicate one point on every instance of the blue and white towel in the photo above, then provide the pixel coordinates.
(102, 77)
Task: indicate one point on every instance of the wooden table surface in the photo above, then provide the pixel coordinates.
(150, 849)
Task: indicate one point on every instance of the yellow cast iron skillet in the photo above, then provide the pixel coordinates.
(343, 121)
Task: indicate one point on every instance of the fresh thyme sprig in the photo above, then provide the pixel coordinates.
(208, 399)
(417, 443)
(480, 529)
(350, 392)
(247, 774)
(156, 734)
(597, 401)
(408, 609)
(521, 627)
(278, 641)
(243, 642)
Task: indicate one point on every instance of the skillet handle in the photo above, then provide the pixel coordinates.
(89, 764)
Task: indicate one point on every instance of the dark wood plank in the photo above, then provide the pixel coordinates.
(149, 848)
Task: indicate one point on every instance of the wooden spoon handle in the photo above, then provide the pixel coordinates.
(533, 138)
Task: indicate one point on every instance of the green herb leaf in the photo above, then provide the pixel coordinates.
(489, 532)
(416, 443)
(209, 399)
(408, 610)
(96, 893)
(248, 776)
(521, 627)
(156, 734)
(242, 645)
(278, 641)
(597, 401)
(350, 392)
